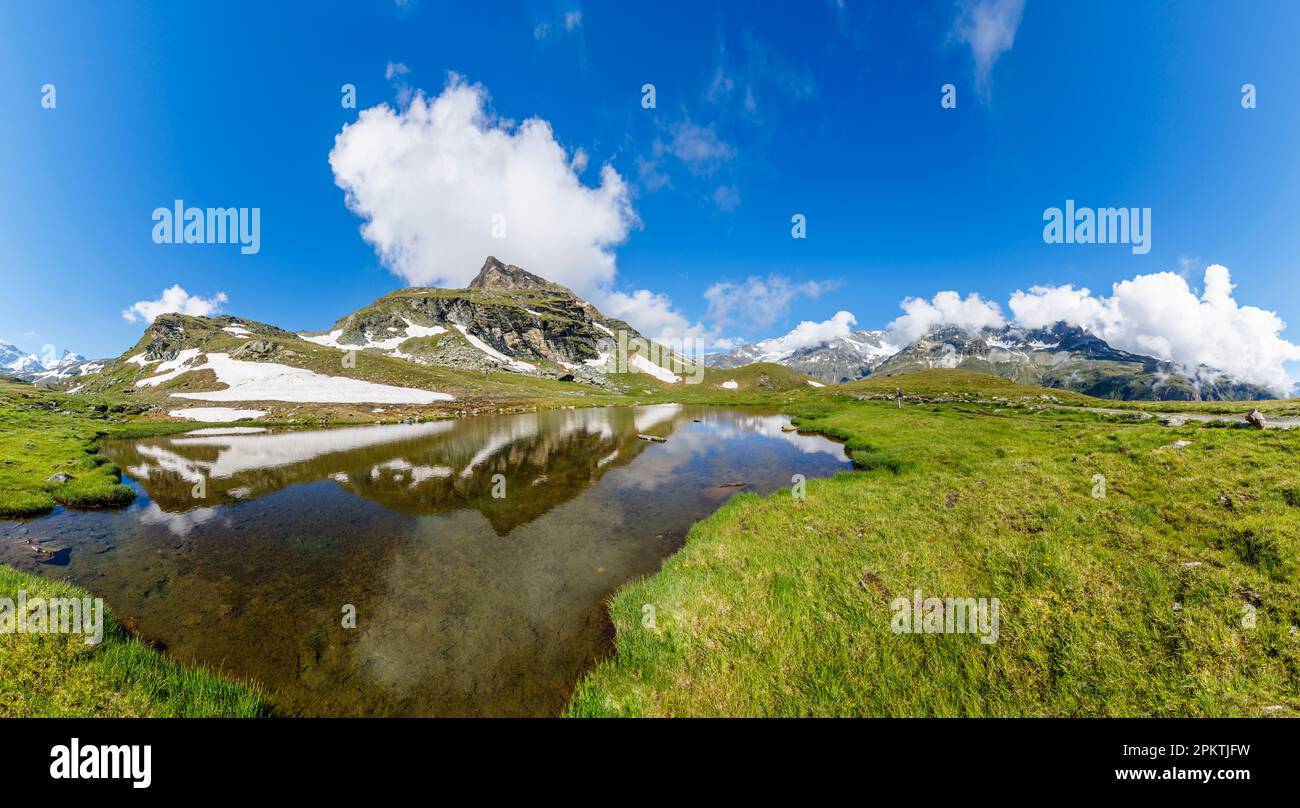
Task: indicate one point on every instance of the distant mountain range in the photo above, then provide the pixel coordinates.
(30, 367)
(1060, 356)
(842, 359)
(508, 319)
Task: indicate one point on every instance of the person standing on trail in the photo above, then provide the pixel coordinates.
(898, 396)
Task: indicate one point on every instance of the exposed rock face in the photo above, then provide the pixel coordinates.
(496, 277)
(254, 350)
(165, 337)
(453, 350)
(450, 350)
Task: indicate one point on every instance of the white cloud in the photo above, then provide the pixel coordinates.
(436, 180)
(174, 300)
(395, 73)
(570, 21)
(652, 314)
(651, 177)
(1161, 315)
(945, 309)
(699, 147)
(433, 180)
(808, 334)
(758, 302)
(726, 197)
(721, 87)
(989, 28)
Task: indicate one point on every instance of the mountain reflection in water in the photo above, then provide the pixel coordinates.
(467, 603)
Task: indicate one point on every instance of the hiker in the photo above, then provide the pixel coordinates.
(898, 396)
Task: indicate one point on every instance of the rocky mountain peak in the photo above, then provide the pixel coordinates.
(498, 276)
(838, 359)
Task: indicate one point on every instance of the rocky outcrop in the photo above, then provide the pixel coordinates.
(496, 276)
(170, 334)
(257, 350)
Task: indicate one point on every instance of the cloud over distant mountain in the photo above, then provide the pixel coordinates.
(810, 333)
(945, 309)
(1157, 315)
(1161, 315)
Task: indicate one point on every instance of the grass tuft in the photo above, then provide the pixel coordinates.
(59, 675)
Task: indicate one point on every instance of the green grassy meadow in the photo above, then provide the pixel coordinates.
(1172, 592)
(1134, 578)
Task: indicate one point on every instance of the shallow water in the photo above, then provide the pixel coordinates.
(243, 549)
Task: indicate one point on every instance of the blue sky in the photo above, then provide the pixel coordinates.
(763, 110)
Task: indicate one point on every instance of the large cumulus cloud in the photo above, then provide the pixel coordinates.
(945, 309)
(444, 183)
(1161, 315)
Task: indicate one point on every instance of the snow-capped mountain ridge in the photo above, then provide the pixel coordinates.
(838, 359)
(1059, 355)
(30, 367)
(1067, 357)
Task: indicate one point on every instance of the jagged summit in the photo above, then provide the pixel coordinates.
(498, 276)
(32, 368)
(839, 359)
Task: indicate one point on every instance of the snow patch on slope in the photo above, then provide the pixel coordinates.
(268, 381)
(493, 352)
(215, 415)
(640, 364)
